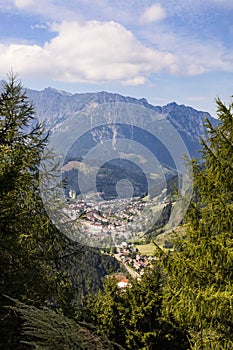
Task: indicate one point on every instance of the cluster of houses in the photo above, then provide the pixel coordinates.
(130, 256)
(111, 223)
(117, 218)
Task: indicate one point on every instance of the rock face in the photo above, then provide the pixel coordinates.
(147, 138)
(59, 108)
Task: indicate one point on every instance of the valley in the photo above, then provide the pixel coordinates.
(109, 223)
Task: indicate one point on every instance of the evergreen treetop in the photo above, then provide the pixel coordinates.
(199, 291)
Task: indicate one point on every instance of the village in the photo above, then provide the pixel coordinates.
(132, 259)
(117, 227)
(134, 262)
(110, 223)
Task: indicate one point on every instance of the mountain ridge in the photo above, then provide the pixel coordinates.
(55, 107)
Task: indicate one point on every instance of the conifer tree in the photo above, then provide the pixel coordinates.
(132, 317)
(199, 292)
(38, 264)
(29, 244)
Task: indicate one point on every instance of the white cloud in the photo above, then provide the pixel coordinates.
(98, 52)
(89, 52)
(193, 56)
(23, 59)
(23, 3)
(153, 13)
(135, 81)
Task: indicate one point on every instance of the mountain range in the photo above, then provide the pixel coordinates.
(93, 130)
(57, 109)
(108, 136)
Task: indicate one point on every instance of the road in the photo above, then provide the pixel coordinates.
(130, 270)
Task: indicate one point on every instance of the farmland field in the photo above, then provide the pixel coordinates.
(146, 249)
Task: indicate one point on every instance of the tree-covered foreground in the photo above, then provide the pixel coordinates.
(184, 302)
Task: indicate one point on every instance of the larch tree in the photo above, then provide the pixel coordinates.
(199, 290)
(132, 317)
(29, 244)
(39, 265)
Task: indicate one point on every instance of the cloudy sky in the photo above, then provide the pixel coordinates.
(167, 50)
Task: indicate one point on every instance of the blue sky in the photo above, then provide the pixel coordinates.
(167, 50)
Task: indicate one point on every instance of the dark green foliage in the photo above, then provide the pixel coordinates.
(46, 329)
(132, 317)
(88, 269)
(199, 291)
(39, 265)
(29, 244)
